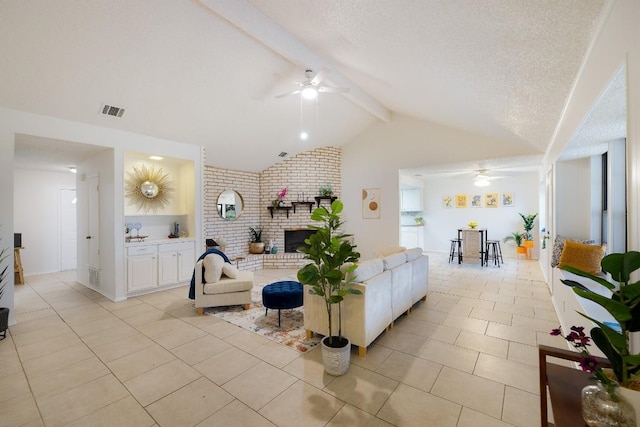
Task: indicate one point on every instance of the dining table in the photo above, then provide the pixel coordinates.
(474, 245)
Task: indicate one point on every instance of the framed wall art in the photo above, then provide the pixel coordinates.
(476, 200)
(508, 200)
(491, 200)
(371, 203)
(447, 202)
(461, 200)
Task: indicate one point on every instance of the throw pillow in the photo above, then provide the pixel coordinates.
(213, 264)
(558, 245)
(230, 270)
(584, 257)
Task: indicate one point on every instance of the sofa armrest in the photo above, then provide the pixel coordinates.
(198, 273)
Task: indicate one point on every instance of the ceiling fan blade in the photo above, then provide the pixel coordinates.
(293, 92)
(319, 77)
(330, 89)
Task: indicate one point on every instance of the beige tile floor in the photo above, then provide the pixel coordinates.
(465, 357)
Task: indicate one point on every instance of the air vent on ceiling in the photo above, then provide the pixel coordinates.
(110, 110)
(283, 154)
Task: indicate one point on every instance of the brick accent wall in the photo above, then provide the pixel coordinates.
(303, 173)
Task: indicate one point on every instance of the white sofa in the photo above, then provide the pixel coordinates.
(220, 284)
(390, 286)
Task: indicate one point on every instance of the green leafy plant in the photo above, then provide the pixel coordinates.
(516, 236)
(418, 220)
(326, 190)
(256, 234)
(528, 225)
(329, 250)
(624, 306)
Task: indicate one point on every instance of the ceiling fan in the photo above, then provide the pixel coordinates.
(482, 178)
(310, 88)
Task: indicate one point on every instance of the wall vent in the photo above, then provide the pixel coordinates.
(94, 277)
(283, 154)
(110, 110)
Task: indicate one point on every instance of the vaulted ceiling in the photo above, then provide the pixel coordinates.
(207, 72)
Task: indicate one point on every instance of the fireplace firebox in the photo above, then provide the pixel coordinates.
(293, 239)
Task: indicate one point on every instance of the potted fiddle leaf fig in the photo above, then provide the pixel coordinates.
(4, 311)
(332, 260)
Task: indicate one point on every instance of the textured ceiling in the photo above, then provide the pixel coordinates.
(207, 72)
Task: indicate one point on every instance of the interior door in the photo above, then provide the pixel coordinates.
(93, 232)
(549, 229)
(68, 229)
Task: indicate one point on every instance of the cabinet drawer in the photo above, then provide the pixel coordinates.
(175, 247)
(142, 250)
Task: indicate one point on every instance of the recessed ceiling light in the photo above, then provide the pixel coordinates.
(304, 135)
(156, 157)
(73, 169)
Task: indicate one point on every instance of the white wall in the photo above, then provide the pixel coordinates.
(36, 213)
(441, 224)
(573, 198)
(373, 159)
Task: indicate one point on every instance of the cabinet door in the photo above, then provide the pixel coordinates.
(411, 200)
(186, 262)
(167, 268)
(142, 272)
(409, 238)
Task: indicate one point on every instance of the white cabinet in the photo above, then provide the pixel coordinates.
(412, 236)
(159, 265)
(411, 200)
(176, 261)
(142, 268)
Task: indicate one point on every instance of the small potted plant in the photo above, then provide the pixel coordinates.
(528, 225)
(418, 220)
(257, 245)
(326, 190)
(4, 311)
(329, 250)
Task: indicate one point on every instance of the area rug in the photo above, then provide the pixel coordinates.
(291, 331)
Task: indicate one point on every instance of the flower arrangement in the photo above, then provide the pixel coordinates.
(472, 224)
(588, 363)
(282, 194)
(280, 197)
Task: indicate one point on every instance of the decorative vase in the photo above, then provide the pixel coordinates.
(603, 408)
(336, 360)
(256, 247)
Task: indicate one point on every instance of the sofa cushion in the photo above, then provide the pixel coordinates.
(244, 282)
(584, 257)
(388, 250)
(394, 260)
(230, 270)
(368, 269)
(413, 253)
(212, 268)
(558, 245)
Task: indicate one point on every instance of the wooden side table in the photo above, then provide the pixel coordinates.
(565, 386)
(17, 266)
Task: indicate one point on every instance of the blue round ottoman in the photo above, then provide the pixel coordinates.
(281, 295)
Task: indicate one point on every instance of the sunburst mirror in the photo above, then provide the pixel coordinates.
(148, 188)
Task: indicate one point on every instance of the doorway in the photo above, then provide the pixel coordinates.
(68, 230)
